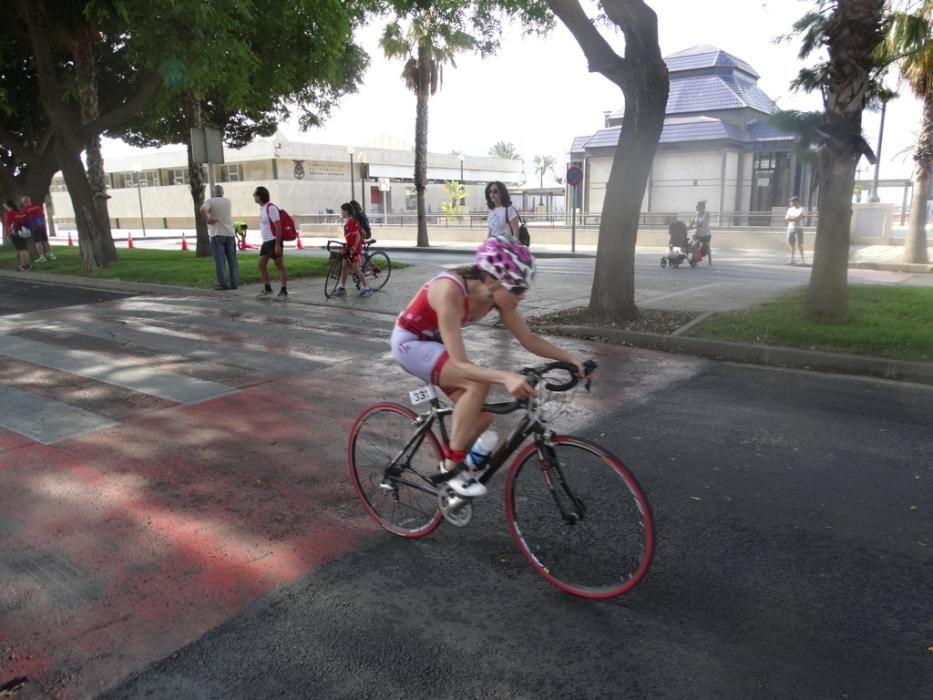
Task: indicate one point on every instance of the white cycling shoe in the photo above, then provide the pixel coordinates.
(465, 483)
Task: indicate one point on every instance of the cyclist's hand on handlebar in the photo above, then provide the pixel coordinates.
(516, 385)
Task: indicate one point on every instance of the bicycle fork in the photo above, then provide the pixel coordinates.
(557, 484)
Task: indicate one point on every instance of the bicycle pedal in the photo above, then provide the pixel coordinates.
(457, 510)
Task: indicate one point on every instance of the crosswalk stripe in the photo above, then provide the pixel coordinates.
(103, 368)
(46, 420)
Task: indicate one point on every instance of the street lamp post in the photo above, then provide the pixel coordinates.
(461, 157)
(873, 197)
(362, 160)
(350, 152)
(139, 194)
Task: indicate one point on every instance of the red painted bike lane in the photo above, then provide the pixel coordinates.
(121, 546)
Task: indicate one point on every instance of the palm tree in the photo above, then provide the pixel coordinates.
(426, 45)
(909, 36)
(504, 150)
(542, 165)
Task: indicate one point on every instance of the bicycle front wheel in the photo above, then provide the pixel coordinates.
(377, 269)
(332, 281)
(579, 517)
(390, 468)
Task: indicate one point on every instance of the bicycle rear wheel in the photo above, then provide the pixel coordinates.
(332, 281)
(608, 549)
(390, 470)
(377, 269)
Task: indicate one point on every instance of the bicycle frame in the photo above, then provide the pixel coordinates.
(529, 425)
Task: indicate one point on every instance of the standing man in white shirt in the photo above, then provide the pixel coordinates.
(217, 212)
(794, 219)
(270, 227)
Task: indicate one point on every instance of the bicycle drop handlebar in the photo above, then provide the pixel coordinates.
(536, 374)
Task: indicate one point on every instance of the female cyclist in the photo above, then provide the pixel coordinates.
(427, 342)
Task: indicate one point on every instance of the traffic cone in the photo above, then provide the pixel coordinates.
(298, 241)
(184, 243)
(70, 242)
(129, 239)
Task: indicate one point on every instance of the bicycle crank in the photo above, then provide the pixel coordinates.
(457, 510)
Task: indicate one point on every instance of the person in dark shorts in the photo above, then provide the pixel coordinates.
(14, 225)
(35, 219)
(270, 227)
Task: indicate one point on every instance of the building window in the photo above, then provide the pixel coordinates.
(181, 176)
(411, 198)
(231, 173)
(147, 178)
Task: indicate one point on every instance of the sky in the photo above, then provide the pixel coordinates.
(537, 93)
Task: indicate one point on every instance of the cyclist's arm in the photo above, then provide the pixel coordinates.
(535, 344)
(446, 299)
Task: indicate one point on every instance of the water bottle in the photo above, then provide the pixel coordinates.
(482, 448)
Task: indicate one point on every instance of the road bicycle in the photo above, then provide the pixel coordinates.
(374, 264)
(575, 511)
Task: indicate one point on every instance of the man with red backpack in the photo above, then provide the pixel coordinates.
(272, 232)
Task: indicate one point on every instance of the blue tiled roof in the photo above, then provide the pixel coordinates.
(705, 93)
(705, 56)
(702, 129)
(688, 129)
(762, 131)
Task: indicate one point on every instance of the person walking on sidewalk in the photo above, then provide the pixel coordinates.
(503, 217)
(699, 224)
(270, 228)
(14, 224)
(35, 220)
(794, 219)
(353, 251)
(216, 211)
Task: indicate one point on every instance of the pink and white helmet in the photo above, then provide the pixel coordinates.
(507, 260)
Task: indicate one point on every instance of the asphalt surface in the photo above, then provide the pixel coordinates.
(24, 295)
(792, 511)
(794, 560)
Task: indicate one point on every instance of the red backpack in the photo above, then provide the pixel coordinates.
(289, 232)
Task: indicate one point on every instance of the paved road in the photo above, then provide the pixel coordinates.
(205, 525)
(21, 295)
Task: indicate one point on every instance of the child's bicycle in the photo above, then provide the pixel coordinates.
(574, 510)
(374, 264)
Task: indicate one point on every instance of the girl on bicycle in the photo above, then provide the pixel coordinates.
(427, 342)
(353, 251)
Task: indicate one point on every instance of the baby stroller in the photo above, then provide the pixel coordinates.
(680, 249)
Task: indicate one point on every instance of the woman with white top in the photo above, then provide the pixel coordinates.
(503, 217)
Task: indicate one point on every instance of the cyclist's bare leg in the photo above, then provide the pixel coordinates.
(344, 268)
(468, 420)
(358, 274)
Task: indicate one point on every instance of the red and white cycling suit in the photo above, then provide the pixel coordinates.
(353, 235)
(416, 339)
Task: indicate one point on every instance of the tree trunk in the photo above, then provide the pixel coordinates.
(68, 144)
(92, 253)
(421, 139)
(612, 298)
(853, 33)
(195, 121)
(86, 84)
(915, 247)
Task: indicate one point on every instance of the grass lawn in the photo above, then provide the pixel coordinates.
(174, 267)
(884, 321)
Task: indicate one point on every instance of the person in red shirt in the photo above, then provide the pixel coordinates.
(13, 222)
(35, 216)
(353, 252)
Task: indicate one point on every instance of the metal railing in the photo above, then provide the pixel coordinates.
(478, 219)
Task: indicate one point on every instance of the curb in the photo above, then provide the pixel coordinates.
(892, 267)
(760, 354)
(104, 284)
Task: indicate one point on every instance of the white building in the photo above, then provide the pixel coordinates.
(309, 180)
(716, 145)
